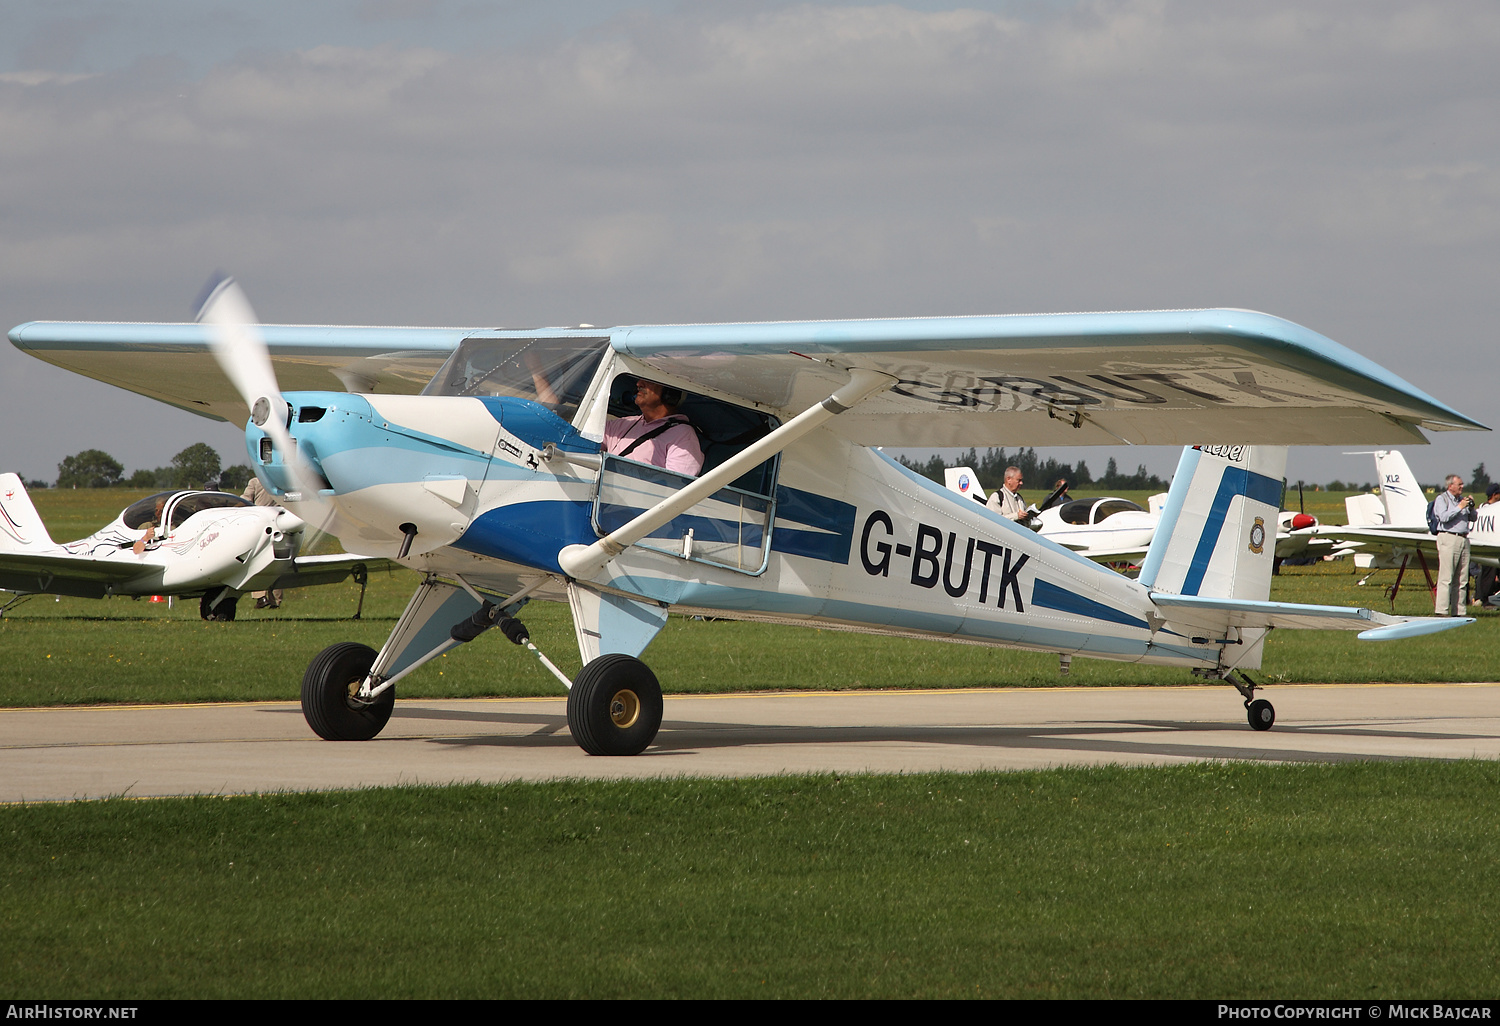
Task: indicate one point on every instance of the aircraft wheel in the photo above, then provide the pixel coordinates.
(615, 706)
(328, 689)
(1261, 714)
(224, 611)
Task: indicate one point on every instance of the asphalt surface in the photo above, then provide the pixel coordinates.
(60, 754)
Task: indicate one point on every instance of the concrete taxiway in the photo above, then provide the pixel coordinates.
(60, 754)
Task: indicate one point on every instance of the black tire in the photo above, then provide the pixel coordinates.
(614, 707)
(223, 612)
(1260, 714)
(328, 689)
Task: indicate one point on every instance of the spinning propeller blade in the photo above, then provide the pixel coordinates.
(237, 345)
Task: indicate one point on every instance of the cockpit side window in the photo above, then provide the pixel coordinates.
(1077, 511)
(723, 429)
(552, 371)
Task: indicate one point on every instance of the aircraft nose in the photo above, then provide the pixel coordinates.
(288, 522)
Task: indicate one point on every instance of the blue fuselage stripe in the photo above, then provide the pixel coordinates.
(1050, 596)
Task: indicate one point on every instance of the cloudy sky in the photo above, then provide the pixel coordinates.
(605, 161)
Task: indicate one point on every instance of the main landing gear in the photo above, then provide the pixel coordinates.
(615, 706)
(330, 694)
(218, 604)
(349, 690)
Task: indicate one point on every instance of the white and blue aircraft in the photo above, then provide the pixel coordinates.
(493, 484)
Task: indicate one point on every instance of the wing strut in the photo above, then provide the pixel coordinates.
(583, 562)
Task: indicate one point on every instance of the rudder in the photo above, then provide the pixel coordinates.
(21, 528)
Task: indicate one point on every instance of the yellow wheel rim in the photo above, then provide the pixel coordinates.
(624, 708)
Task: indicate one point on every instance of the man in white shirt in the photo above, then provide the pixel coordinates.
(1006, 500)
(660, 436)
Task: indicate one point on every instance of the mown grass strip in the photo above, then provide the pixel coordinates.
(1349, 881)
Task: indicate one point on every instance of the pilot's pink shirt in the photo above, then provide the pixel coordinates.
(676, 448)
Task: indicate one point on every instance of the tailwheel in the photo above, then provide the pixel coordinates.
(615, 706)
(1261, 714)
(329, 690)
(1257, 710)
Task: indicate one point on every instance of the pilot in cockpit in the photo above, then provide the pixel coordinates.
(660, 435)
(153, 528)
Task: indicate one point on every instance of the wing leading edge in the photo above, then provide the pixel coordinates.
(1149, 378)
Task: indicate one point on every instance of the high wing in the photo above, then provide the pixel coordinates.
(173, 363)
(1149, 378)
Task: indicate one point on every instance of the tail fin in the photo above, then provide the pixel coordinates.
(964, 481)
(1217, 535)
(21, 528)
(1405, 505)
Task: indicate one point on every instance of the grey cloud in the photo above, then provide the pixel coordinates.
(1335, 165)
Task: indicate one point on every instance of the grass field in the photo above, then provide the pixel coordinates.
(1208, 881)
(76, 651)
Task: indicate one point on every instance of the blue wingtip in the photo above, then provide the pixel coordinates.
(216, 282)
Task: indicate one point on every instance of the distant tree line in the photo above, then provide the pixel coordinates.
(1037, 472)
(197, 466)
(1040, 473)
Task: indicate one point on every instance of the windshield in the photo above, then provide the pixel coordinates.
(197, 502)
(551, 371)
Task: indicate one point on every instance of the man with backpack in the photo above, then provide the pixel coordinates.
(1448, 517)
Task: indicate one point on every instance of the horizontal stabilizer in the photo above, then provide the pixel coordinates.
(1216, 614)
(1415, 628)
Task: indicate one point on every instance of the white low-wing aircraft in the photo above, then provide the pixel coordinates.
(1107, 529)
(210, 544)
(492, 482)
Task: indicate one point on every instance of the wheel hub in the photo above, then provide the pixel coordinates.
(352, 693)
(624, 707)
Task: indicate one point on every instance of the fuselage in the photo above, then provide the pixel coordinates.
(205, 539)
(830, 533)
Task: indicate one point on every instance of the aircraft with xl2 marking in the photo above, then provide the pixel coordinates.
(493, 485)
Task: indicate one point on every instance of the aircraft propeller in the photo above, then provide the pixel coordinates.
(240, 350)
